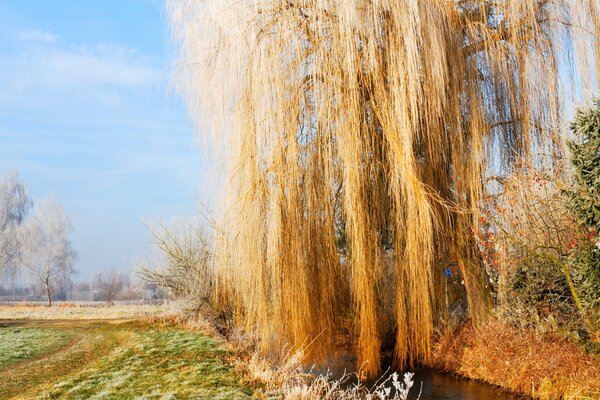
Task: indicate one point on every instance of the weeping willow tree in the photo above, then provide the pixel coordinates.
(357, 136)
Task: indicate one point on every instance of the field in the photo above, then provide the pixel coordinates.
(65, 356)
(79, 311)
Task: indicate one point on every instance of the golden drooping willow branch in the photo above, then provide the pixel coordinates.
(356, 135)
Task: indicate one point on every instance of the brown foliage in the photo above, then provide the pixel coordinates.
(520, 360)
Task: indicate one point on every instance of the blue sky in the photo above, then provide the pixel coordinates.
(87, 115)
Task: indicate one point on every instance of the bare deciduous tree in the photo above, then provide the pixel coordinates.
(14, 204)
(110, 285)
(47, 251)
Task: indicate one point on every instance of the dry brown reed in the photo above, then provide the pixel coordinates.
(521, 361)
(288, 379)
(356, 135)
(197, 322)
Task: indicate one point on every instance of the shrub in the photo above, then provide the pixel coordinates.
(527, 237)
(186, 273)
(541, 242)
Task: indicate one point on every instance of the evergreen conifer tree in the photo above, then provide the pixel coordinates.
(584, 203)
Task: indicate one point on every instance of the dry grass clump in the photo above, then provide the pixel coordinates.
(520, 360)
(356, 136)
(288, 379)
(197, 322)
(323, 387)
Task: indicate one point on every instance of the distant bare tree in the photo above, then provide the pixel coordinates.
(14, 204)
(47, 251)
(110, 285)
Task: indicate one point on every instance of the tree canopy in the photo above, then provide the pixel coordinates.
(357, 136)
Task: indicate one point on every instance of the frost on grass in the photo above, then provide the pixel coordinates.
(325, 388)
(156, 364)
(19, 344)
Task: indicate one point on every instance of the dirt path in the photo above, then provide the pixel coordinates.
(92, 340)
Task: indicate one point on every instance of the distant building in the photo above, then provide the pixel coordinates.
(151, 292)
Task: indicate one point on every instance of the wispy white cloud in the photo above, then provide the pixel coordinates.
(38, 36)
(45, 66)
(84, 116)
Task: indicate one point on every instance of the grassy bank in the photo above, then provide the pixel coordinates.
(521, 361)
(84, 360)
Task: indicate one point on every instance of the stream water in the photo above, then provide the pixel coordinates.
(435, 385)
(441, 386)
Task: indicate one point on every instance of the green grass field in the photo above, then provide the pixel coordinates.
(113, 360)
(19, 344)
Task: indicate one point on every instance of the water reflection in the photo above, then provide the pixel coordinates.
(432, 384)
(440, 386)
